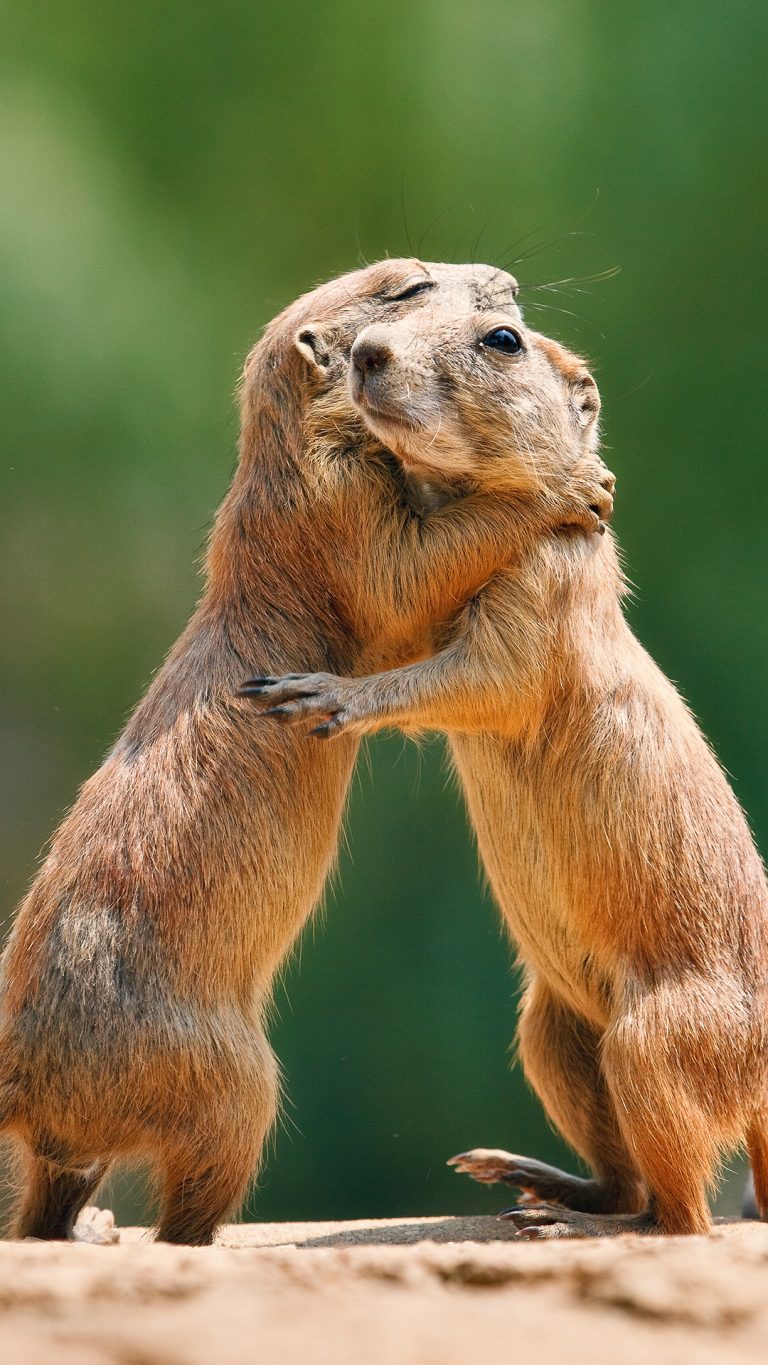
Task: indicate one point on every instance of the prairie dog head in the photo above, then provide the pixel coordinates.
(309, 344)
(470, 395)
(323, 324)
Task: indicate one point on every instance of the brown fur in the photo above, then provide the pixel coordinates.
(621, 859)
(137, 974)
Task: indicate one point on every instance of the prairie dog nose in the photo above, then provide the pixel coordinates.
(371, 352)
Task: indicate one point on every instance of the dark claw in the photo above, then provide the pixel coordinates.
(522, 1215)
(277, 712)
(260, 682)
(321, 732)
(251, 690)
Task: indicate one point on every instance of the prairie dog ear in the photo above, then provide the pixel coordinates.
(585, 400)
(583, 397)
(312, 346)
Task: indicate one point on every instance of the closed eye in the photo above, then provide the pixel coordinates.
(411, 291)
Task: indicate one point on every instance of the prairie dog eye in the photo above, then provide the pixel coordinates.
(504, 339)
(411, 291)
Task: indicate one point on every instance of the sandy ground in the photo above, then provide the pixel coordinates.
(427, 1291)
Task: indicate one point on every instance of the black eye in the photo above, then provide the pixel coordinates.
(505, 340)
(411, 290)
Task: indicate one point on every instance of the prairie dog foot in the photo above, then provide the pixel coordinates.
(96, 1226)
(488, 1165)
(544, 1221)
(537, 1181)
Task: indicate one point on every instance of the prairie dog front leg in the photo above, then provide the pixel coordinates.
(479, 681)
(424, 569)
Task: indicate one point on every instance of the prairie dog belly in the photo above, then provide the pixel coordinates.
(529, 845)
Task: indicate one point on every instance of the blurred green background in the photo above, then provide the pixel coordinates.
(173, 174)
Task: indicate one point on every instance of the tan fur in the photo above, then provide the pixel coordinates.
(136, 976)
(619, 856)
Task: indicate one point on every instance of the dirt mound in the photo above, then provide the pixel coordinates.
(414, 1291)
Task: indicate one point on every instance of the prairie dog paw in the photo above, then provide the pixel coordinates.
(601, 497)
(546, 1221)
(326, 703)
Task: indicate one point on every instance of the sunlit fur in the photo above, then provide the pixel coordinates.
(137, 974)
(621, 859)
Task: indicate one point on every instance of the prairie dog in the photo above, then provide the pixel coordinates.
(136, 975)
(616, 849)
